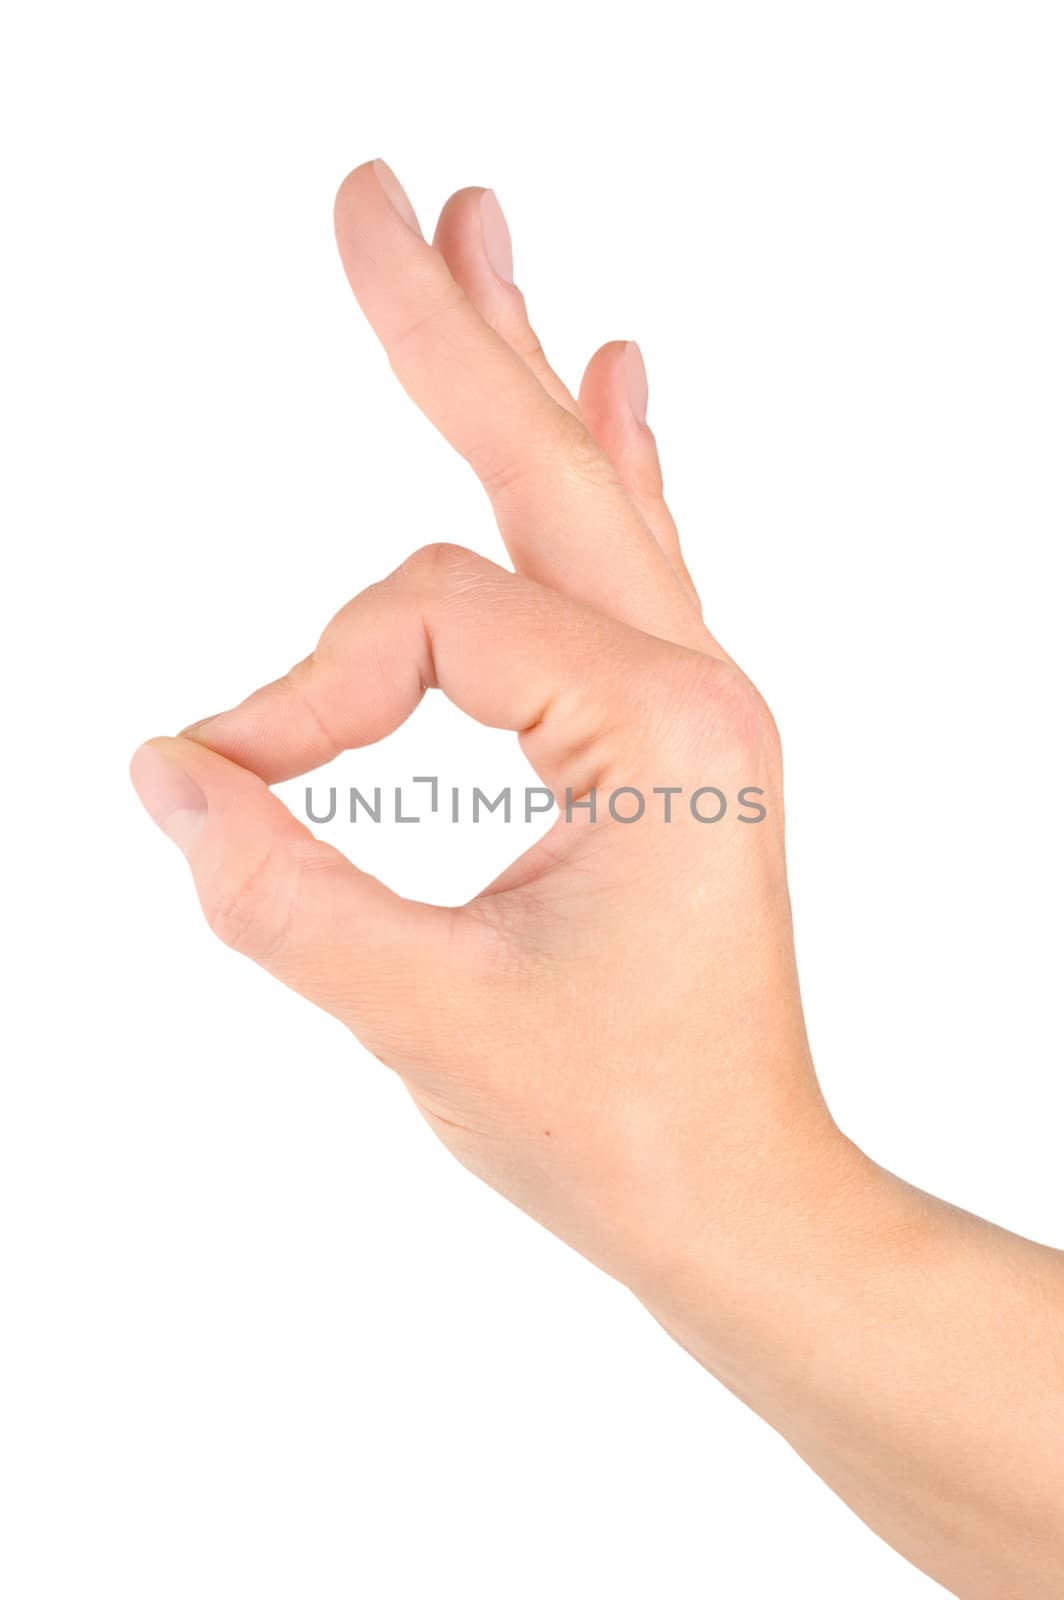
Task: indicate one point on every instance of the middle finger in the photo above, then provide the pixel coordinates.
(562, 511)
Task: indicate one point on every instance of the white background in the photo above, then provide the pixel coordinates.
(260, 1336)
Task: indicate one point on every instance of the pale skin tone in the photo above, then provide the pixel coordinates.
(611, 1034)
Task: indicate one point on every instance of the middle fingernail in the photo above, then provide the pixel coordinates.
(395, 194)
(496, 236)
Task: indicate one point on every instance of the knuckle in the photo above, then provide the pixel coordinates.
(565, 447)
(528, 345)
(438, 563)
(770, 732)
(303, 681)
(502, 474)
(647, 479)
(252, 914)
(447, 575)
(730, 712)
(410, 341)
(526, 341)
(580, 453)
(734, 710)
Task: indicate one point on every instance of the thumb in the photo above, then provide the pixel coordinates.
(295, 905)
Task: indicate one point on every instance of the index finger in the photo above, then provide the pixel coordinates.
(575, 685)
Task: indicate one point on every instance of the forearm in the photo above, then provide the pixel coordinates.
(913, 1354)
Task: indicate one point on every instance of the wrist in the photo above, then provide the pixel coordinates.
(753, 1270)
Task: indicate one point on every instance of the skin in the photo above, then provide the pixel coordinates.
(611, 1034)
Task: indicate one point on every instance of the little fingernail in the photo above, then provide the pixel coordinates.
(396, 195)
(496, 235)
(635, 374)
(169, 796)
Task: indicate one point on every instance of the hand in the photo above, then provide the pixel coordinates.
(611, 1034)
(614, 1026)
